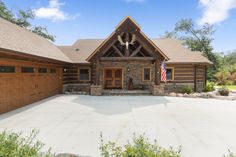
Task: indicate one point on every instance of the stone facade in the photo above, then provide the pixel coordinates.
(130, 69)
(96, 90)
(200, 86)
(176, 87)
(158, 90)
(77, 88)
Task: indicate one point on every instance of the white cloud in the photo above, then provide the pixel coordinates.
(53, 12)
(215, 11)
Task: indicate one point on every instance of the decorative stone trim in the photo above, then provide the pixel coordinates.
(158, 90)
(96, 90)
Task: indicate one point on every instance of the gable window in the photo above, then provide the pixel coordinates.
(42, 70)
(146, 74)
(84, 74)
(27, 70)
(170, 74)
(7, 69)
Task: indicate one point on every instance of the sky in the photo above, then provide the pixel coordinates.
(70, 20)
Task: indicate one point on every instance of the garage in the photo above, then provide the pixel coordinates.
(30, 67)
(22, 83)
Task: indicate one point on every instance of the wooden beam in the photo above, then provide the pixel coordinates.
(126, 58)
(145, 46)
(157, 72)
(136, 51)
(117, 50)
(97, 72)
(195, 78)
(205, 78)
(106, 47)
(126, 40)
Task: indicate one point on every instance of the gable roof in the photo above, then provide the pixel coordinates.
(173, 48)
(81, 49)
(178, 53)
(15, 38)
(126, 19)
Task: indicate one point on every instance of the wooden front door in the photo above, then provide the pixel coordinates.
(113, 78)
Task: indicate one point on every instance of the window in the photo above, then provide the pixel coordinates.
(84, 74)
(27, 70)
(170, 74)
(146, 74)
(42, 70)
(52, 70)
(7, 69)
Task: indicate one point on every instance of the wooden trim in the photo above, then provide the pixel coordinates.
(6, 53)
(79, 68)
(150, 73)
(126, 58)
(205, 77)
(195, 78)
(122, 78)
(14, 62)
(131, 19)
(173, 73)
(157, 72)
(156, 48)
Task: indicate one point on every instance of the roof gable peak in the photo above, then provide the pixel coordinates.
(128, 19)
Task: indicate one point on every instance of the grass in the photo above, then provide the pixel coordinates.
(230, 87)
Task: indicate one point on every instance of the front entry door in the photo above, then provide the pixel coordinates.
(113, 78)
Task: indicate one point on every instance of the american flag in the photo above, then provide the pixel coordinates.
(163, 71)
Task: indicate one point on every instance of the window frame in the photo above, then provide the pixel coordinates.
(8, 72)
(89, 73)
(27, 72)
(172, 75)
(42, 72)
(150, 74)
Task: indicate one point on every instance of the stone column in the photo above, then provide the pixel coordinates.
(96, 90)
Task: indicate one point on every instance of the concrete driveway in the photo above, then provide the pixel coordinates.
(72, 123)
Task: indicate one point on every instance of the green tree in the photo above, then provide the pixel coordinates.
(196, 39)
(22, 19)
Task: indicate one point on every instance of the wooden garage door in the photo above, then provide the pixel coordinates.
(21, 87)
(9, 95)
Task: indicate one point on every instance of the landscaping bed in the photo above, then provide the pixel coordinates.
(213, 95)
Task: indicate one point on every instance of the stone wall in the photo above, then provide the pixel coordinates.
(76, 88)
(158, 90)
(96, 90)
(200, 86)
(135, 72)
(176, 87)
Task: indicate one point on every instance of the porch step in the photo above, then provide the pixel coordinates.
(126, 92)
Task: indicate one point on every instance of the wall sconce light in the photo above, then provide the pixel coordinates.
(65, 70)
(128, 69)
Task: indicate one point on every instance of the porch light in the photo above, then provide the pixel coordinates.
(65, 70)
(128, 69)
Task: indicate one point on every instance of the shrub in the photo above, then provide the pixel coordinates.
(233, 77)
(140, 147)
(209, 87)
(224, 91)
(14, 145)
(186, 89)
(222, 77)
(230, 154)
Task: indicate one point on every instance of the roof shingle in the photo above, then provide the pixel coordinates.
(172, 48)
(13, 37)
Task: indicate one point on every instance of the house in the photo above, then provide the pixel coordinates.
(32, 68)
